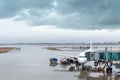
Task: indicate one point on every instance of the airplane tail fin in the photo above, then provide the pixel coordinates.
(90, 48)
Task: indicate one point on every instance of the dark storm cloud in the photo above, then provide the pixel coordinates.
(92, 14)
(11, 8)
(71, 14)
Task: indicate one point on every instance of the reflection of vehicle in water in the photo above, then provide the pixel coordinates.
(88, 75)
(117, 77)
(72, 62)
(102, 70)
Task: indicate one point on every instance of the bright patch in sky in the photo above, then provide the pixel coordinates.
(55, 3)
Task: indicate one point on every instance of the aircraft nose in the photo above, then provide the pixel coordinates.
(82, 60)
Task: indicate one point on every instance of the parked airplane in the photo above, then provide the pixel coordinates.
(82, 58)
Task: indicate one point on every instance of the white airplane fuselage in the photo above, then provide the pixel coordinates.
(82, 56)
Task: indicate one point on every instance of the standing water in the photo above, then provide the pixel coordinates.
(31, 62)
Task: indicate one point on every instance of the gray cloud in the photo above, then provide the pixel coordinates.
(93, 14)
(11, 8)
(71, 14)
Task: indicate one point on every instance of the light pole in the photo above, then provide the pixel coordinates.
(106, 51)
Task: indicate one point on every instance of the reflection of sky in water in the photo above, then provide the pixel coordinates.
(32, 63)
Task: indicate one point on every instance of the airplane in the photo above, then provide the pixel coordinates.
(82, 58)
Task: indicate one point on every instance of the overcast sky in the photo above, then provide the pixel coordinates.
(59, 21)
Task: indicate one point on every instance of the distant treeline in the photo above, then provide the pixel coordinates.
(83, 43)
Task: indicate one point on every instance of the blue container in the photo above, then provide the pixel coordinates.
(53, 59)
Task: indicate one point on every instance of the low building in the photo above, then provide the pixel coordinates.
(103, 56)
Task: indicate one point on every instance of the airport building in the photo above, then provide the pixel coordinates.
(103, 55)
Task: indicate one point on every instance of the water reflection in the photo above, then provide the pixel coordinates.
(86, 75)
(31, 63)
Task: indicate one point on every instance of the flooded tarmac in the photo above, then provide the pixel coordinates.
(31, 62)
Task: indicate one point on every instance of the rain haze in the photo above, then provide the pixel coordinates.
(59, 21)
(31, 30)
